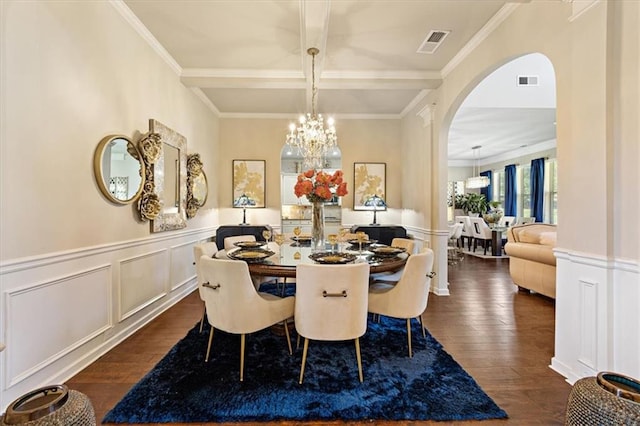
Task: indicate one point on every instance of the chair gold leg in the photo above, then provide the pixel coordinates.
(409, 336)
(298, 342)
(422, 326)
(206, 358)
(286, 333)
(242, 357)
(204, 312)
(304, 358)
(359, 359)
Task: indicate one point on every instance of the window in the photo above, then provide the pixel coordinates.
(524, 191)
(551, 191)
(498, 187)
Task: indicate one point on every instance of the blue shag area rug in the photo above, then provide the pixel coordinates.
(182, 388)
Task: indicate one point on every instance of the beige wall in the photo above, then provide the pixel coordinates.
(262, 139)
(72, 73)
(577, 51)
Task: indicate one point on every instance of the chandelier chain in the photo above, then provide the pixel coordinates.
(311, 139)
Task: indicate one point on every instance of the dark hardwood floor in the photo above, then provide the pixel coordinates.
(502, 337)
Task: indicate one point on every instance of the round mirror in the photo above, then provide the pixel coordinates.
(200, 189)
(119, 169)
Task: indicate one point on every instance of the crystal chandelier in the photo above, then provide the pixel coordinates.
(476, 181)
(310, 137)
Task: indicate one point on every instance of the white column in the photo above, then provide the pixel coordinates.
(438, 233)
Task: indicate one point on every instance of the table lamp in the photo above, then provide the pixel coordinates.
(375, 202)
(244, 201)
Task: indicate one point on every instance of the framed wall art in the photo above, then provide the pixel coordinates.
(369, 179)
(248, 183)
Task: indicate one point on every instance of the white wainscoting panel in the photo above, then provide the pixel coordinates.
(36, 311)
(61, 311)
(143, 280)
(597, 326)
(182, 268)
(588, 292)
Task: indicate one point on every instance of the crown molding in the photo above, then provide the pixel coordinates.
(146, 35)
(480, 36)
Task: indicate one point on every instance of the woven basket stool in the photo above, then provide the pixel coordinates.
(49, 406)
(608, 399)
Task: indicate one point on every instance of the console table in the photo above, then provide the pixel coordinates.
(383, 233)
(225, 231)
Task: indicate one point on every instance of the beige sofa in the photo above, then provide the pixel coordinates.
(532, 263)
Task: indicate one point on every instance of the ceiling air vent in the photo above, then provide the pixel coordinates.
(527, 80)
(433, 41)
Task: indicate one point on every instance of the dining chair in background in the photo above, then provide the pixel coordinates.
(235, 306)
(393, 277)
(467, 233)
(331, 305)
(203, 249)
(229, 242)
(507, 221)
(481, 233)
(408, 298)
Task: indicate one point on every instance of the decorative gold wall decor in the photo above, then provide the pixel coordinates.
(249, 180)
(164, 198)
(119, 169)
(369, 179)
(197, 187)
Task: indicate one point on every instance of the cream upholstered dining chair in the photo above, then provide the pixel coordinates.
(454, 253)
(203, 249)
(466, 230)
(229, 242)
(331, 305)
(393, 277)
(408, 298)
(481, 233)
(234, 305)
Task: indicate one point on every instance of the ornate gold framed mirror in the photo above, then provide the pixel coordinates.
(119, 169)
(164, 199)
(197, 186)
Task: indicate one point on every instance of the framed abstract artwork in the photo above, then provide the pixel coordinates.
(369, 179)
(248, 183)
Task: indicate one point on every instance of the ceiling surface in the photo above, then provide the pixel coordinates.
(249, 58)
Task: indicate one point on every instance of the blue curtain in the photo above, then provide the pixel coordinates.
(510, 191)
(487, 191)
(537, 189)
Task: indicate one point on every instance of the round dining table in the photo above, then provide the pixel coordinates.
(284, 264)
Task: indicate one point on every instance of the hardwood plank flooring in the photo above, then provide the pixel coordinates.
(502, 337)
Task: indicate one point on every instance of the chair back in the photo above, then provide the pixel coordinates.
(229, 242)
(409, 297)
(404, 243)
(507, 221)
(480, 228)
(233, 304)
(209, 249)
(466, 225)
(523, 220)
(455, 231)
(331, 301)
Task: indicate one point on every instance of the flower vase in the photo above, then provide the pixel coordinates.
(317, 226)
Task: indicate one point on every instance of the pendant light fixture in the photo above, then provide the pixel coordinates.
(476, 181)
(311, 137)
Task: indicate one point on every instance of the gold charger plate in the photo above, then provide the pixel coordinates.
(387, 251)
(365, 243)
(249, 244)
(251, 255)
(330, 258)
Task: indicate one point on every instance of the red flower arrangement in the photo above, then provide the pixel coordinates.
(316, 185)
